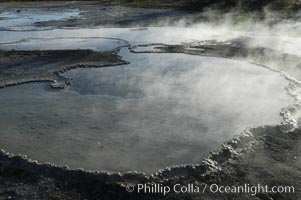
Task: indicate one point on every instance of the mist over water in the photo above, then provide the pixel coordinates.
(159, 111)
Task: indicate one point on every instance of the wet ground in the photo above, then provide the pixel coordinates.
(169, 91)
(83, 14)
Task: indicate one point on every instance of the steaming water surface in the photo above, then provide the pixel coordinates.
(161, 110)
(286, 40)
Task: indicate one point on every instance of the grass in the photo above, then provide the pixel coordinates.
(37, 3)
(19, 3)
(242, 22)
(134, 3)
(150, 4)
(196, 5)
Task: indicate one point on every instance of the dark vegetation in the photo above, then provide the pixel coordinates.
(189, 4)
(245, 4)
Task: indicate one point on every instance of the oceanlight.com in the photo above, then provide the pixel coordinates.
(212, 188)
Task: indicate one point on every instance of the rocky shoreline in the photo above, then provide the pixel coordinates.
(221, 166)
(19, 67)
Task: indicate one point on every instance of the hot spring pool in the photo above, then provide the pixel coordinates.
(160, 110)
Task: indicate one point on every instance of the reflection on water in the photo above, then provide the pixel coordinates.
(274, 39)
(161, 110)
